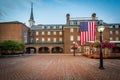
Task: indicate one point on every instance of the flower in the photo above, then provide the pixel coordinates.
(96, 44)
(107, 45)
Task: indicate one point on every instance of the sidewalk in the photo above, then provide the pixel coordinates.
(58, 67)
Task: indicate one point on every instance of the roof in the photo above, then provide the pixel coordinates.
(47, 27)
(82, 18)
(14, 22)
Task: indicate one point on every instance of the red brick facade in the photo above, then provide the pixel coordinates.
(12, 31)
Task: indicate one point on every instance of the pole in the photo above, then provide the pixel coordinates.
(101, 54)
(74, 49)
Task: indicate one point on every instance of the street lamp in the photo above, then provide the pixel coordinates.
(100, 29)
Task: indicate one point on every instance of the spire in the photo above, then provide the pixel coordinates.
(31, 20)
(31, 16)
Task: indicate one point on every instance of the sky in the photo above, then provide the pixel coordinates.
(54, 11)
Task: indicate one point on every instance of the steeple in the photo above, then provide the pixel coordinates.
(31, 20)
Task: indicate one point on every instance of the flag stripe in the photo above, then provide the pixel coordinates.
(87, 32)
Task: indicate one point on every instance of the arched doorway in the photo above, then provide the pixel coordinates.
(57, 50)
(30, 50)
(44, 50)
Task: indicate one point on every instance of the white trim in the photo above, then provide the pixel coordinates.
(91, 41)
(115, 41)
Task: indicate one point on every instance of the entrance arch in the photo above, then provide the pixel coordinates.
(57, 50)
(44, 50)
(30, 50)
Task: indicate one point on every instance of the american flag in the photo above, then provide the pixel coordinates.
(87, 32)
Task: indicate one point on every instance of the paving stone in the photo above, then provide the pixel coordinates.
(58, 67)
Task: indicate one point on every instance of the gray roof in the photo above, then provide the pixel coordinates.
(47, 27)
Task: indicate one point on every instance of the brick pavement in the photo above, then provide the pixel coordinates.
(57, 67)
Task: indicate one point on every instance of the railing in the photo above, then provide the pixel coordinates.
(47, 44)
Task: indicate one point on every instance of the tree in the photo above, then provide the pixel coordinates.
(10, 46)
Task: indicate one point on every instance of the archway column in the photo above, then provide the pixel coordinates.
(37, 49)
(50, 48)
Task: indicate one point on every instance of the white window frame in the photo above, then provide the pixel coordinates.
(116, 32)
(43, 33)
(54, 39)
(78, 22)
(49, 40)
(71, 22)
(37, 40)
(60, 39)
(54, 27)
(43, 27)
(116, 26)
(43, 39)
(111, 38)
(60, 33)
(48, 32)
(111, 32)
(48, 27)
(60, 27)
(71, 30)
(111, 27)
(71, 38)
(78, 38)
(54, 33)
(37, 33)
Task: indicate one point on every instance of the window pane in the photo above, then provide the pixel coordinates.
(78, 38)
(43, 39)
(110, 32)
(48, 27)
(71, 38)
(48, 39)
(43, 33)
(60, 33)
(54, 33)
(37, 40)
(54, 39)
(43, 27)
(37, 33)
(60, 39)
(60, 27)
(71, 30)
(111, 27)
(116, 26)
(54, 27)
(111, 39)
(48, 33)
(116, 32)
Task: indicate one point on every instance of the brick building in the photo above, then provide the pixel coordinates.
(15, 30)
(56, 38)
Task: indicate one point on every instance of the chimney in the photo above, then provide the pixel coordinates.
(93, 16)
(67, 18)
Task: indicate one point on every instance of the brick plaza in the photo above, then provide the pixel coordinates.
(57, 67)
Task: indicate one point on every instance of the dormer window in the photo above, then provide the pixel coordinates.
(116, 26)
(48, 27)
(60, 27)
(54, 27)
(43, 27)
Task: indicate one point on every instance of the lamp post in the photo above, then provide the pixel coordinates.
(74, 48)
(100, 30)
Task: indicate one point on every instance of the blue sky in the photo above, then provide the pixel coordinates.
(54, 11)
